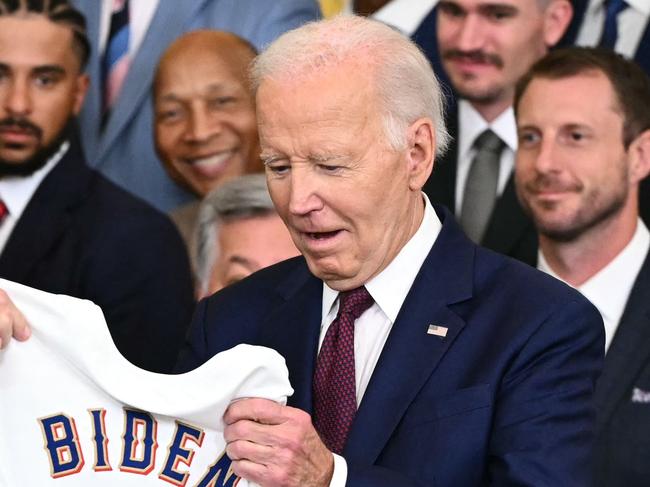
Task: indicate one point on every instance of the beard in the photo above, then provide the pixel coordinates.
(595, 208)
(43, 153)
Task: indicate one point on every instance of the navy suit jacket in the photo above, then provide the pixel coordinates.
(124, 151)
(509, 230)
(81, 235)
(505, 398)
(623, 418)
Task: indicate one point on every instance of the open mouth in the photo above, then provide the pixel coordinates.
(322, 235)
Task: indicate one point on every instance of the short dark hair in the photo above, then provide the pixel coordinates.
(56, 11)
(630, 83)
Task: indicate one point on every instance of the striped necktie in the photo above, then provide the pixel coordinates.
(115, 63)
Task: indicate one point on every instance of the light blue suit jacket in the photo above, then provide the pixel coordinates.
(124, 152)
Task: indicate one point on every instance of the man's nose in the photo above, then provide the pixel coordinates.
(18, 99)
(304, 192)
(201, 126)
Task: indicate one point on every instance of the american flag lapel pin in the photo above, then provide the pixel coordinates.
(439, 331)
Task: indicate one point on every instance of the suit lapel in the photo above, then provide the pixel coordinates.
(410, 355)
(628, 351)
(293, 328)
(46, 217)
(166, 25)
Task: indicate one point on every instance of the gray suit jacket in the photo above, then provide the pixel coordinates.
(124, 152)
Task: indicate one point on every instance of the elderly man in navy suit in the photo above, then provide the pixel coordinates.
(584, 128)
(417, 358)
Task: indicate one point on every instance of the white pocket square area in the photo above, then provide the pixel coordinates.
(640, 396)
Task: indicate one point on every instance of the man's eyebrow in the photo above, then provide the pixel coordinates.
(49, 69)
(507, 8)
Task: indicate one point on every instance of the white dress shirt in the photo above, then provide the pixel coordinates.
(404, 15)
(470, 125)
(388, 289)
(17, 191)
(140, 14)
(631, 24)
(609, 289)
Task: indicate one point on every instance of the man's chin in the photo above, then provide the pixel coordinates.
(24, 167)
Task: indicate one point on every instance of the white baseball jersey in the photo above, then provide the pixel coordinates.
(74, 412)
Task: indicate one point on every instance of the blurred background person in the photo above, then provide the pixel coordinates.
(620, 25)
(205, 127)
(584, 128)
(128, 38)
(484, 59)
(64, 228)
(239, 232)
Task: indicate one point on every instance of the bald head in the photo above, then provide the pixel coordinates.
(205, 126)
(231, 51)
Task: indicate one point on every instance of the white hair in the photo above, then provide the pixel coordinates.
(405, 83)
(240, 198)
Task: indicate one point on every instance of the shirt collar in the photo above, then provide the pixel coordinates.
(642, 6)
(405, 15)
(610, 287)
(473, 124)
(390, 287)
(17, 191)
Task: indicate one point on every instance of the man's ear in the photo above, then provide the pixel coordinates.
(82, 84)
(639, 156)
(557, 16)
(421, 151)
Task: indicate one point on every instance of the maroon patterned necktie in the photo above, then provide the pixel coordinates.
(4, 211)
(335, 394)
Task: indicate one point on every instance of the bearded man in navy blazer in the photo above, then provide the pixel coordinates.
(466, 368)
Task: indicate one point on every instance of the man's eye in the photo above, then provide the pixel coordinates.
(221, 101)
(450, 9)
(169, 115)
(45, 80)
(577, 136)
(332, 168)
(528, 138)
(277, 168)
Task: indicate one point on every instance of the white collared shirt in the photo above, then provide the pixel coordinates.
(141, 13)
(631, 24)
(609, 289)
(389, 289)
(17, 191)
(404, 15)
(470, 125)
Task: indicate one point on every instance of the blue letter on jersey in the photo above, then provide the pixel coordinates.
(62, 444)
(100, 439)
(219, 474)
(179, 454)
(139, 446)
